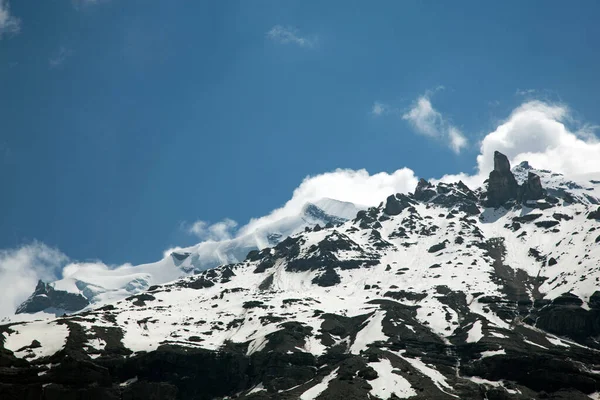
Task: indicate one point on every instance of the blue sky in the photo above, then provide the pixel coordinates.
(123, 122)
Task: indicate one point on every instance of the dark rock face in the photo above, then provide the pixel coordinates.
(594, 214)
(502, 185)
(395, 204)
(437, 247)
(44, 297)
(565, 316)
(424, 191)
(532, 189)
(595, 300)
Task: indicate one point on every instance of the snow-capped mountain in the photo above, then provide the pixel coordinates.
(94, 285)
(445, 293)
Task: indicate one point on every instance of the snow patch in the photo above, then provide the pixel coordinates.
(475, 333)
(388, 383)
(320, 387)
(372, 332)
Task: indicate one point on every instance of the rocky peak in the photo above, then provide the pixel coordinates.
(501, 163)
(424, 191)
(40, 288)
(502, 185)
(395, 204)
(45, 297)
(524, 165)
(532, 188)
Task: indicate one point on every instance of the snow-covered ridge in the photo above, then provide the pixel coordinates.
(431, 295)
(101, 285)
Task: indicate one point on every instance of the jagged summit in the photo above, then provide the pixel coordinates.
(503, 186)
(431, 295)
(44, 297)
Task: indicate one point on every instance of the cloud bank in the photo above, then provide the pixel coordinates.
(21, 268)
(357, 187)
(538, 132)
(545, 134)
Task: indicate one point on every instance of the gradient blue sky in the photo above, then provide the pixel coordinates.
(123, 119)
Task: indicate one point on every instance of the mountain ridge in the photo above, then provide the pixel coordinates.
(96, 286)
(430, 295)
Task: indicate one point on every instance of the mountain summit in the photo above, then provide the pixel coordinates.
(449, 292)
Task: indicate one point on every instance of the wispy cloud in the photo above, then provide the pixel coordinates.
(290, 35)
(525, 92)
(380, 109)
(59, 58)
(83, 3)
(9, 24)
(20, 270)
(457, 140)
(222, 230)
(426, 120)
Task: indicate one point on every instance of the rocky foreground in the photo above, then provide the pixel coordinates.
(445, 293)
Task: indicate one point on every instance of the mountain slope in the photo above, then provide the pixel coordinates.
(431, 295)
(95, 285)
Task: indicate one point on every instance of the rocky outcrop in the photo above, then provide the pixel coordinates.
(594, 214)
(45, 297)
(424, 191)
(532, 189)
(395, 204)
(502, 185)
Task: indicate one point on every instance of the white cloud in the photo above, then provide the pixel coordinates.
(538, 132)
(424, 118)
(9, 24)
(287, 34)
(358, 187)
(222, 230)
(428, 121)
(21, 268)
(457, 139)
(59, 57)
(379, 108)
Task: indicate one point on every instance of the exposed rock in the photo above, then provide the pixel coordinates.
(594, 214)
(502, 185)
(532, 188)
(437, 247)
(395, 204)
(594, 301)
(546, 224)
(424, 191)
(44, 297)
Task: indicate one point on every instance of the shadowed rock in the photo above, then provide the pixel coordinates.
(44, 296)
(502, 185)
(424, 191)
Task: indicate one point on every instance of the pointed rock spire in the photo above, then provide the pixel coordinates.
(502, 185)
